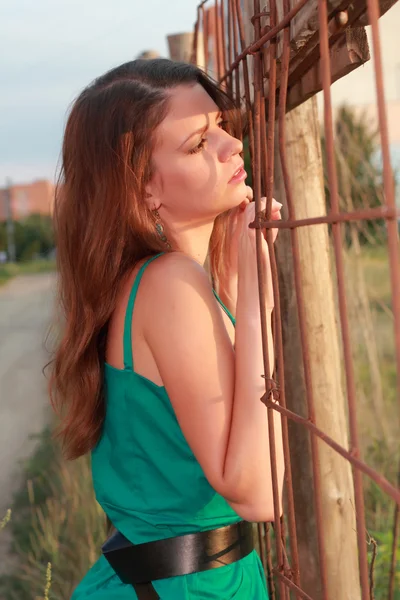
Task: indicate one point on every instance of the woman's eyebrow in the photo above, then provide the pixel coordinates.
(202, 130)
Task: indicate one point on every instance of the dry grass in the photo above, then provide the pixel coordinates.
(65, 528)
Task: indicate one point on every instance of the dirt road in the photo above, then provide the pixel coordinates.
(26, 305)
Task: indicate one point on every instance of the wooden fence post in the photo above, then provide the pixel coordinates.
(304, 161)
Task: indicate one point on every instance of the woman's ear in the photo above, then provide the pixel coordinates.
(148, 198)
(151, 197)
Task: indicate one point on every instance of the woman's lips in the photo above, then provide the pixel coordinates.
(239, 176)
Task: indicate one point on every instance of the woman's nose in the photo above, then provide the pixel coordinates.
(231, 147)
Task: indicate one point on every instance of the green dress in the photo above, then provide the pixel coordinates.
(151, 486)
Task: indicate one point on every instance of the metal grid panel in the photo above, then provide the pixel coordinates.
(251, 76)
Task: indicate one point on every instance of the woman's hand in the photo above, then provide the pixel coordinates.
(245, 213)
(247, 257)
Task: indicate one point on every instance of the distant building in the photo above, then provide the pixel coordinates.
(28, 199)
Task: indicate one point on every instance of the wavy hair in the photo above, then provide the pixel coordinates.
(103, 226)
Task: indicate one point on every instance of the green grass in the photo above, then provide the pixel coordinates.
(10, 270)
(378, 430)
(377, 275)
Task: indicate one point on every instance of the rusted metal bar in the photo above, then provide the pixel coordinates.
(237, 74)
(332, 218)
(267, 37)
(258, 119)
(270, 580)
(388, 180)
(229, 76)
(205, 35)
(372, 567)
(289, 583)
(234, 75)
(194, 59)
(261, 277)
(265, 148)
(217, 40)
(223, 35)
(380, 480)
(395, 543)
(384, 6)
(268, 176)
(262, 533)
(263, 556)
(200, 18)
(246, 84)
(287, 569)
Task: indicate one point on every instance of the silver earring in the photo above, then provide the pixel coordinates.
(160, 228)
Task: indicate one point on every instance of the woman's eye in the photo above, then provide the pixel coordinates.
(199, 146)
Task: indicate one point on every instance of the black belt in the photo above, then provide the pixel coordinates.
(141, 564)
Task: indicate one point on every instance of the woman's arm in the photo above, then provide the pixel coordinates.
(215, 394)
(249, 430)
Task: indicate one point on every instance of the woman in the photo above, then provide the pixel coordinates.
(154, 379)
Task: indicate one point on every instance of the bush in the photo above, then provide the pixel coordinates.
(33, 237)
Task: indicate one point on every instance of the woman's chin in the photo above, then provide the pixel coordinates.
(233, 199)
(241, 193)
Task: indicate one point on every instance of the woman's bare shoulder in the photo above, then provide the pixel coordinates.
(177, 289)
(177, 268)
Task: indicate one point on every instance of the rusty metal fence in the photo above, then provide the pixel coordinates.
(254, 73)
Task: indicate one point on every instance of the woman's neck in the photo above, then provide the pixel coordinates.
(194, 242)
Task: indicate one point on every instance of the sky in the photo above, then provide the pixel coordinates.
(50, 50)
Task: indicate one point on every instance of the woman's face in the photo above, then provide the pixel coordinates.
(197, 165)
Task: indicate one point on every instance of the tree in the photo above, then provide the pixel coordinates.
(33, 237)
(360, 175)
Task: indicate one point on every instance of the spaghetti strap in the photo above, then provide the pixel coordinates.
(228, 312)
(128, 357)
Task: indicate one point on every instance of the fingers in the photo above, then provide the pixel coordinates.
(275, 216)
(275, 206)
(249, 192)
(250, 196)
(249, 211)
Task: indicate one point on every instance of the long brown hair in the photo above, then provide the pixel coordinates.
(103, 226)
